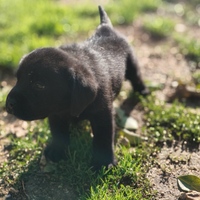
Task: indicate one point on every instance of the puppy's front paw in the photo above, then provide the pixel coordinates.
(55, 153)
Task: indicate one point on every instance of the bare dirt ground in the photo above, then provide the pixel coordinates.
(160, 64)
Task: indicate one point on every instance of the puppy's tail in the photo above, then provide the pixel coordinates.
(104, 17)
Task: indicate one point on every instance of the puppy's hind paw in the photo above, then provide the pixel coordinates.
(145, 92)
(97, 168)
(97, 165)
(55, 154)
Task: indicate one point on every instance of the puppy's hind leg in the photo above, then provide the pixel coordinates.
(134, 76)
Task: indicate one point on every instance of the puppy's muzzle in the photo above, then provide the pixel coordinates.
(10, 104)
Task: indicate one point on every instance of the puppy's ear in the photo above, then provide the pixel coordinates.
(24, 56)
(84, 90)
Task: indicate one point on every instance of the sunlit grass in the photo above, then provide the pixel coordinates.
(190, 47)
(168, 122)
(159, 27)
(26, 25)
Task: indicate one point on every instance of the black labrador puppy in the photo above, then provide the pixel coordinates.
(76, 82)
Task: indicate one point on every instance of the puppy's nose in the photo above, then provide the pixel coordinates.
(10, 104)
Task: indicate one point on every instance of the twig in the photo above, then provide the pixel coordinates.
(24, 190)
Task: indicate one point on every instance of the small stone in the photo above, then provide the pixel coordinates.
(162, 193)
(124, 141)
(49, 167)
(43, 161)
(8, 196)
(174, 84)
(130, 123)
(20, 132)
(131, 150)
(182, 196)
(124, 121)
(176, 148)
(4, 84)
(154, 154)
(133, 138)
(193, 195)
(13, 190)
(180, 28)
(46, 165)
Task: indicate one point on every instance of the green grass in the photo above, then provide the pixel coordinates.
(196, 78)
(168, 122)
(190, 47)
(24, 153)
(3, 95)
(125, 11)
(159, 27)
(26, 25)
(126, 181)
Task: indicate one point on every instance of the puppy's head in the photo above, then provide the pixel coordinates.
(50, 81)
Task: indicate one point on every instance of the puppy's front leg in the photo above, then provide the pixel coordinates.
(103, 141)
(59, 126)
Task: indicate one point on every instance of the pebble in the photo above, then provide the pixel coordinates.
(124, 141)
(13, 190)
(162, 193)
(192, 195)
(182, 196)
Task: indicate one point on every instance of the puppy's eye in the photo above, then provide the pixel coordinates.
(39, 86)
